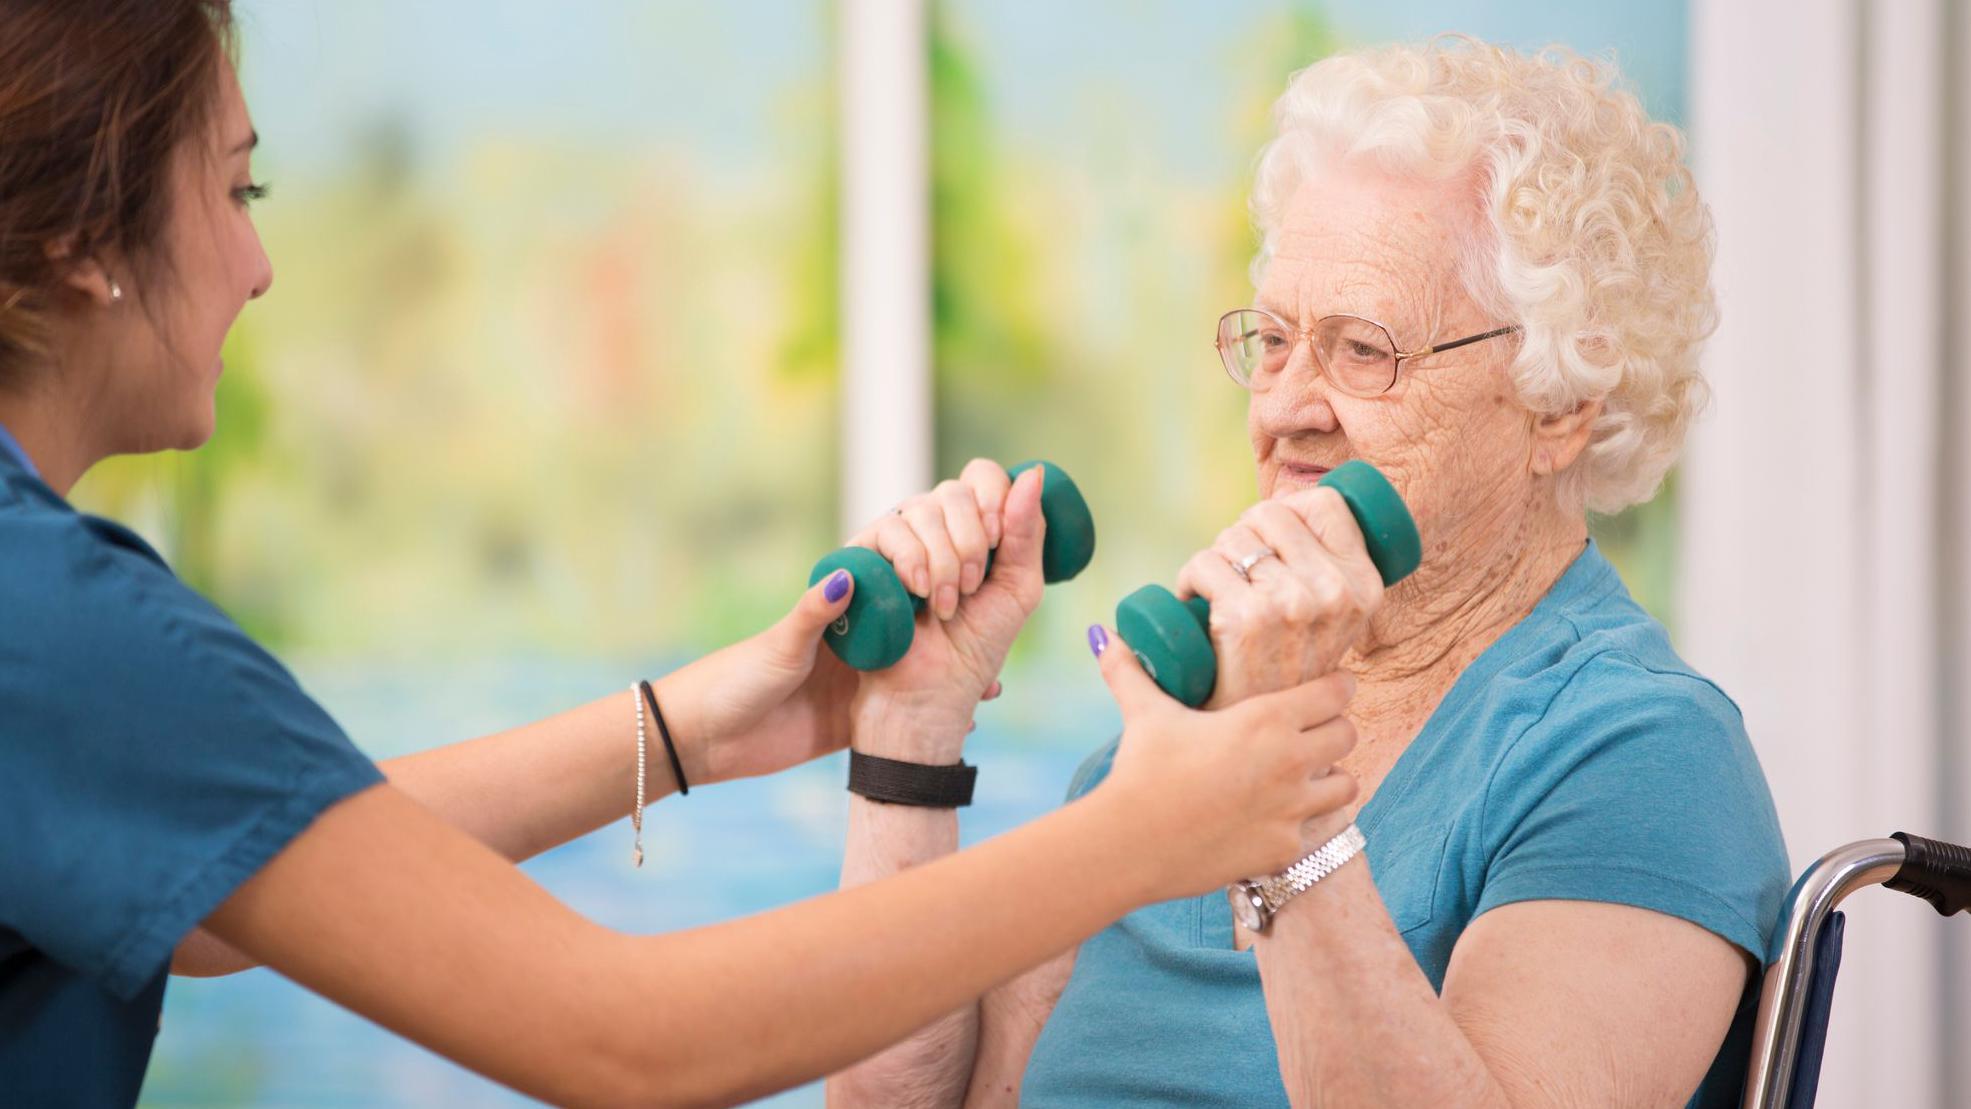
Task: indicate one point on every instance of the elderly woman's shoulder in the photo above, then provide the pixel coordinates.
(1606, 684)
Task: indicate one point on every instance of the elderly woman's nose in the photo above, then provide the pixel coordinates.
(1296, 404)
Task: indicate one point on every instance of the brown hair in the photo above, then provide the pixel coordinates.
(95, 98)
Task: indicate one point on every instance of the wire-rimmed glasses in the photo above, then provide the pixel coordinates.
(1358, 355)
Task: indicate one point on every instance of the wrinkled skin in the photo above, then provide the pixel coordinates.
(1477, 469)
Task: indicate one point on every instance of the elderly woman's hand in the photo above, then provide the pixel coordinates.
(920, 709)
(1307, 593)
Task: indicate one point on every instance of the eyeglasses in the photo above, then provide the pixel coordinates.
(1357, 355)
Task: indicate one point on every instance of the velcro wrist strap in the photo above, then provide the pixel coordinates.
(911, 783)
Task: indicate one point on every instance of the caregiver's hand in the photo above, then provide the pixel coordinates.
(1220, 795)
(920, 709)
(1299, 609)
(768, 702)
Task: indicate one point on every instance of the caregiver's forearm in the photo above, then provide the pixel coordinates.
(1354, 1019)
(532, 788)
(520, 792)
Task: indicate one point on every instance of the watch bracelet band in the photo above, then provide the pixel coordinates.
(896, 782)
(1312, 867)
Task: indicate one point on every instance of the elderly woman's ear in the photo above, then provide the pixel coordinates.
(1558, 440)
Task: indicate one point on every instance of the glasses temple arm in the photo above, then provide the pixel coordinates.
(1456, 343)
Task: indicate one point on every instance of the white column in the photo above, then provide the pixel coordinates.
(885, 276)
(1808, 574)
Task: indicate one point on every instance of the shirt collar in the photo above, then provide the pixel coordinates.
(10, 448)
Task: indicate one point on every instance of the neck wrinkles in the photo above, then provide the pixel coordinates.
(1460, 601)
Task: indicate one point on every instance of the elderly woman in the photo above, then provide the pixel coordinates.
(1486, 273)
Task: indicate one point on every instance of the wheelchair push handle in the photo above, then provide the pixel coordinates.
(1937, 871)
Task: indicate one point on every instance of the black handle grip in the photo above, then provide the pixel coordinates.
(1938, 872)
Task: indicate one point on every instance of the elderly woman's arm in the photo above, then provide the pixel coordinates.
(976, 1054)
(1545, 1003)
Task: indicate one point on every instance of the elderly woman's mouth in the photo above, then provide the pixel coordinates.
(1302, 473)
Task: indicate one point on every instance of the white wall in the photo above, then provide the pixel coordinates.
(1813, 544)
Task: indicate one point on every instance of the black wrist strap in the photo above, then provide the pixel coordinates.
(911, 783)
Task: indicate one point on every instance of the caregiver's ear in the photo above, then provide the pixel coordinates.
(83, 274)
(1559, 439)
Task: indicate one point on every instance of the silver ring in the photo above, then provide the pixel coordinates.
(1243, 567)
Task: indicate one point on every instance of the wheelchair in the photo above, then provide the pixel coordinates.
(1798, 990)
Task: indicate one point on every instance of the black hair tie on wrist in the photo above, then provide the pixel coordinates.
(670, 748)
(911, 783)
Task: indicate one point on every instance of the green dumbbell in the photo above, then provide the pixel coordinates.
(882, 616)
(1172, 638)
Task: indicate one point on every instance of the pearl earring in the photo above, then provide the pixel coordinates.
(116, 291)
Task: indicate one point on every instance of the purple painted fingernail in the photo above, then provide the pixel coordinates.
(838, 584)
(1098, 639)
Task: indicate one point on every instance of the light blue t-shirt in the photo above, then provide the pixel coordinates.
(1578, 758)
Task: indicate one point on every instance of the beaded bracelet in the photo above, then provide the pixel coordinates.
(636, 810)
(641, 693)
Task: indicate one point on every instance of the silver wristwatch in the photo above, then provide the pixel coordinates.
(1255, 903)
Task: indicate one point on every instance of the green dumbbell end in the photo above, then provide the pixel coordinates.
(1387, 528)
(1170, 639)
(880, 622)
(1070, 542)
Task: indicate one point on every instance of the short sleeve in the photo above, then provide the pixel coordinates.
(152, 757)
(1638, 787)
(1092, 770)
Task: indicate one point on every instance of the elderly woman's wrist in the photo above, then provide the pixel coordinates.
(908, 729)
(1316, 833)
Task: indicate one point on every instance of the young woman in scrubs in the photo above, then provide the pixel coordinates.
(171, 799)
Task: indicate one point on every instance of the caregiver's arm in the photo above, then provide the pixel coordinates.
(398, 915)
(758, 706)
(1545, 1003)
(761, 705)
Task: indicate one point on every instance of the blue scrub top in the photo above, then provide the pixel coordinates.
(152, 758)
(1577, 759)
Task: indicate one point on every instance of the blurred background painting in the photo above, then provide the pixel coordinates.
(547, 394)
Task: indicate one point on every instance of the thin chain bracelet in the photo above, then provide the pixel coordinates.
(642, 743)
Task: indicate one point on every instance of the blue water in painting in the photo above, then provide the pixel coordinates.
(723, 852)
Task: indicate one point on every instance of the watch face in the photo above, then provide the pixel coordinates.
(1247, 906)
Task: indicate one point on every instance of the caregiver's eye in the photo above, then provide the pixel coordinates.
(251, 193)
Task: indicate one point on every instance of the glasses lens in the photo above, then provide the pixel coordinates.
(1254, 344)
(1359, 356)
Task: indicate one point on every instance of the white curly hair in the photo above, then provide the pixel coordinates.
(1593, 238)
